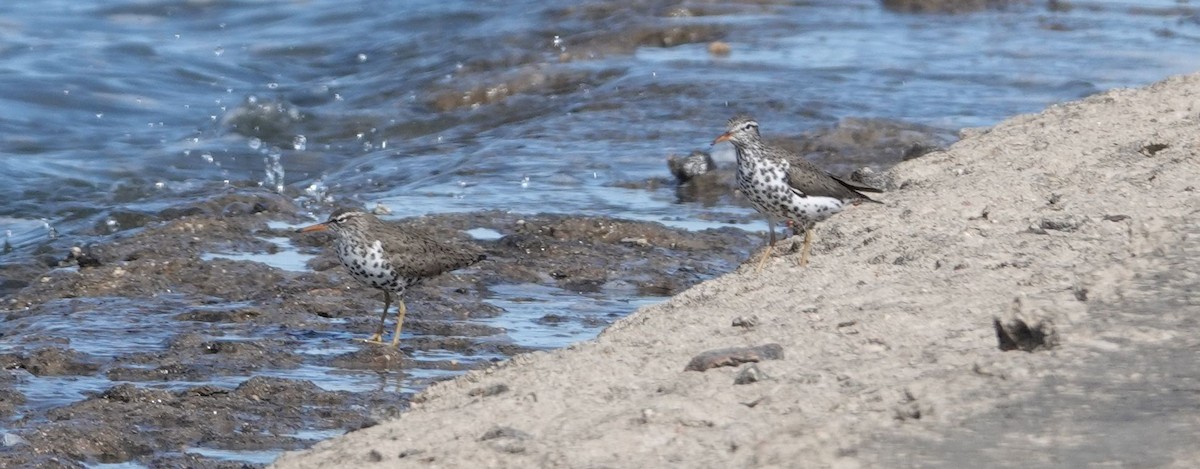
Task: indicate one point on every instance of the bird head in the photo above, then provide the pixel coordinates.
(338, 221)
(740, 130)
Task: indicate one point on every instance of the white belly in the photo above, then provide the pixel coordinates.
(769, 193)
(370, 266)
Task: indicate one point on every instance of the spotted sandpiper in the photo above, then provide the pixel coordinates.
(390, 258)
(783, 185)
(692, 166)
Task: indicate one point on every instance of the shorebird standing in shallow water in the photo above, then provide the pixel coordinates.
(686, 168)
(783, 185)
(390, 258)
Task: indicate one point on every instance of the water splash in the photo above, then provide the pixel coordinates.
(274, 169)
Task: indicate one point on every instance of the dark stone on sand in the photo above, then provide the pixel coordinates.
(1025, 328)
(734, 356)
(504, 432)
(1063, 223)
(486, 391)
(747, 322)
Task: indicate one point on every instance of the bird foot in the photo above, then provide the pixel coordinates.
(376, 339)
(762, 261)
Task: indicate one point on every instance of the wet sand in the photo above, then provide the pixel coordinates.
(1067, 232)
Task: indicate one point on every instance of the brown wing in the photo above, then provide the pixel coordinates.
(418, 255)
(808, 179)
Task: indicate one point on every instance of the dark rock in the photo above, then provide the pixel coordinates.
(1064, 223)
(82, 256)
(54, 361)
(1153, 148)
(1024, 328)
(747, 322)
(734, 356)
(492, 390)
(504, 432)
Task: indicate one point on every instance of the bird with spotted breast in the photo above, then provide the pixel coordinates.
(783, 185)
(690, 167)
(390, 258)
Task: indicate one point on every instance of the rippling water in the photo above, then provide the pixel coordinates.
(125, 107)
(115, 110)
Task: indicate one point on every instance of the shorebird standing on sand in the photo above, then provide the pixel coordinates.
(783, 185)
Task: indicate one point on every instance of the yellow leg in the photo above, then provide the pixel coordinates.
(378, 337)
(808, 235)
(765, 255)
(399, 323)
(770, 245)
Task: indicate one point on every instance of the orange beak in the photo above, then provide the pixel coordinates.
(317, 227)
(723, 138)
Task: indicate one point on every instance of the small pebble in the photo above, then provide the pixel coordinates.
(747, 322)
(750, 374)
(719, 48)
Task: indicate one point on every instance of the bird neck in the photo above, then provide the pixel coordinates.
(748, 153)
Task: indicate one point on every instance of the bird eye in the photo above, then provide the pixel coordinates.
(749, 125)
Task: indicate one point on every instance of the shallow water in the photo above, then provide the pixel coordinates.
(149, 103)
(464, 106)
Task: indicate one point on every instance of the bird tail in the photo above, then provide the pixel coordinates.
(858, 189)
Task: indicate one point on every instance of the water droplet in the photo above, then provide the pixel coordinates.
(219, 51)
(272, 85)
(362, 58)
(255, 143)
(160, 185)
(299, 142)
(274, 169)
(99, 115)
(525, 182)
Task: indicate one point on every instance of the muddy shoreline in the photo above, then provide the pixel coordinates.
(174, 356)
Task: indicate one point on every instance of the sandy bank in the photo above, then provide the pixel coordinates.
(887, 337)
